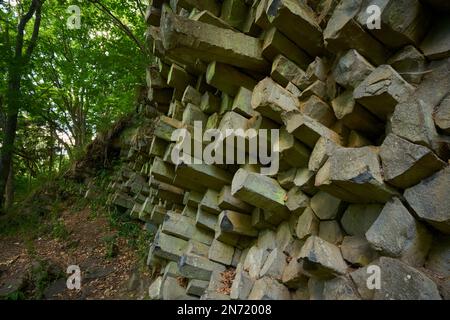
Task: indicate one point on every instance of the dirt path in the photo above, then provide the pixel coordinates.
(37, 269)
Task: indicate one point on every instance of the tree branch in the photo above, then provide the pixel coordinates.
(120, 24)
(35, 35)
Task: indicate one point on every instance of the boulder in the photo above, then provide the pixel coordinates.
(429, 198)
(397, 234)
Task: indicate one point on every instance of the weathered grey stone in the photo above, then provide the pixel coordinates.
(276, 44)
(317, 70)
(304, 179)
(438, 262)
(178, 226)
(284, 238)
(242, 103)
(351, 69)
(197, 267)
(323, 149)
(234, 13)
(270, 99)
(358, 218)
(343, 33)
(209, 5)
(317, 109)
(357, 140)
(321, 259)
(228, 202)
(208, 17)
(357, 251)
(242, 285)
(331, 231)
(402, 21)
(286, 178)
(205, 220)
(185, 37)
(436, 44)
(254, 261)
(301, 293)
(267, 240)
(318, 88)
(442, 115)
(274, 265)
(197, 248)
(356, 117)
(193, 113)
(284, 70)
(315, 288)
(191, 95)
(168, 247)
(429, 198)
(307, 224)
(214, 295)
(293, 276)
(325, 206)
(210, 202)
(221, 252)
(306, 129)
(340, 288)
(297, 201)
(155, 289)
(172, 290)
(409, 63)
(259, 191)
(439, 257)
(259, 219)
(227, 78)
(236, 223)
(297, 21)
(397, 234)
(382, 90)
(413, 119)
(196, 287)
(361, 182)
(210, 103)
(398, 282)
(269, 289)
(215, 282)
(405, 164)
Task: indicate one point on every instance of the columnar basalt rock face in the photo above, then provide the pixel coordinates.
(363, 177)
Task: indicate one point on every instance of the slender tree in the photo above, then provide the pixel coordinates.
(16, 69)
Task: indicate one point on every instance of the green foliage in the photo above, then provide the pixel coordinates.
(133, 232)
(15, 296)
(78, 82)
(111, 246)
(39, 212)
(41, 276)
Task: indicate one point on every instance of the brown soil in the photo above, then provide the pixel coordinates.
(102, 277)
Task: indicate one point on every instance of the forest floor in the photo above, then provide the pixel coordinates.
(108, 251)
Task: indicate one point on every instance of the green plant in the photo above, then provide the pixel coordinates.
(133, 232)
(111, 246)
(41, 276)
(59, 230)
(16, 295)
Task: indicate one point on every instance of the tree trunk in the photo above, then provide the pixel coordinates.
(9, 134)
(13, 97)
(9, 193)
